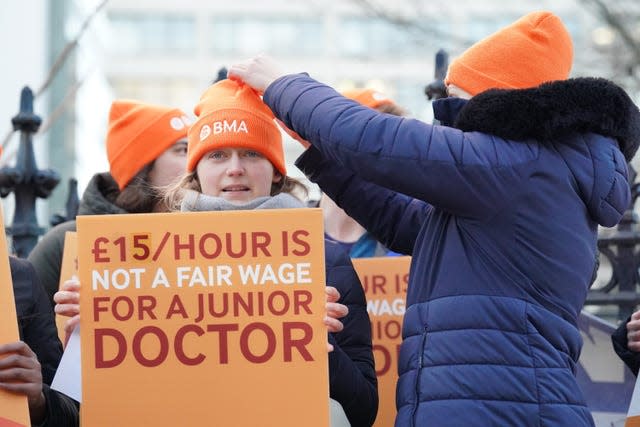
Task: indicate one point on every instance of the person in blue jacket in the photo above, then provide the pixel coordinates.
(499, 207)
(235, 161)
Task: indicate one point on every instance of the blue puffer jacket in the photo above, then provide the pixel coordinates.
(500, 215)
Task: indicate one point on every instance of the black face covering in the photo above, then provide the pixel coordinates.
(445, 110)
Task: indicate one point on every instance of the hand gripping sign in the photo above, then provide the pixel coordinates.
(203, 318)
(14, 411)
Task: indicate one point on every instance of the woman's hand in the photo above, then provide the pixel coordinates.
(258, 72)
(67, 299)
(335, 311)
(20, 373)
(633, 332)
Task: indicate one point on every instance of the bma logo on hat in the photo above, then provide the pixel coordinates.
(224, 126)
(205, 131)
(179, 123)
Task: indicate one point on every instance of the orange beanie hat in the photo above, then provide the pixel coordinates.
(368, 97)
(537, 48)
(139, 133)
(231, 114)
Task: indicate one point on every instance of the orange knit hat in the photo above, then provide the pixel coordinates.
(537, 48)
(139, 133)
(231, 114)
(368, 97)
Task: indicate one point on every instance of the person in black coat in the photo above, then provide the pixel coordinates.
(626, 342)
(28, 366)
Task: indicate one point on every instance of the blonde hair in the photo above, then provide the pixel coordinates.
(173, 194)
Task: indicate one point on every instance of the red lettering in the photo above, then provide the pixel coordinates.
(97, 308)
(244, 342)
(301, 299)
(128, 305)
(390, 329)
(136, 346)
(97, 250)
(260, 240)
(285, 244)
(243, 245)
(223, 345)
(146, 304)
(382, 358)
(217, 246)
(188, 246)
(375, 284)
(401, 286)
(178, 344)
(300, 343)
(297, 238)
(101, 361)
(272, 305)
(176, 307)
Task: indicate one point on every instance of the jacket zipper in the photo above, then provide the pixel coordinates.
(417, 384)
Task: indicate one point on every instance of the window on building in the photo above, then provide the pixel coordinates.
(176, 91)
(366, 37)
(152, 34)
(240, 35)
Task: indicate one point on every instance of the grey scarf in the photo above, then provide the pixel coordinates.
(194, 201)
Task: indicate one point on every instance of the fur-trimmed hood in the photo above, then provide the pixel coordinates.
(564, 115)
(549, 112)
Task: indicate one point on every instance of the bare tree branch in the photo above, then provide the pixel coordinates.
(68, 49)
(409, 24)
(68, 99)
(619, 22)
(59, 62)
(618, 25)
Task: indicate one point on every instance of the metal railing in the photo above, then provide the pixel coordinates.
(26, 181)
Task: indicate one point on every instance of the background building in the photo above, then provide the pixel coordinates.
(168, 51)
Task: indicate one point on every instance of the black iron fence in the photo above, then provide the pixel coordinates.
(620, 261)
(26, 181)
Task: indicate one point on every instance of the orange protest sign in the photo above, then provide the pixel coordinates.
(203, 318)
(14, 411)
(68, 269)
(385, 285)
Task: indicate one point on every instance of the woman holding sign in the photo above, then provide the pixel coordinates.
(236, 162)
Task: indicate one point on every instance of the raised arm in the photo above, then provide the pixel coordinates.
(393, 218)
